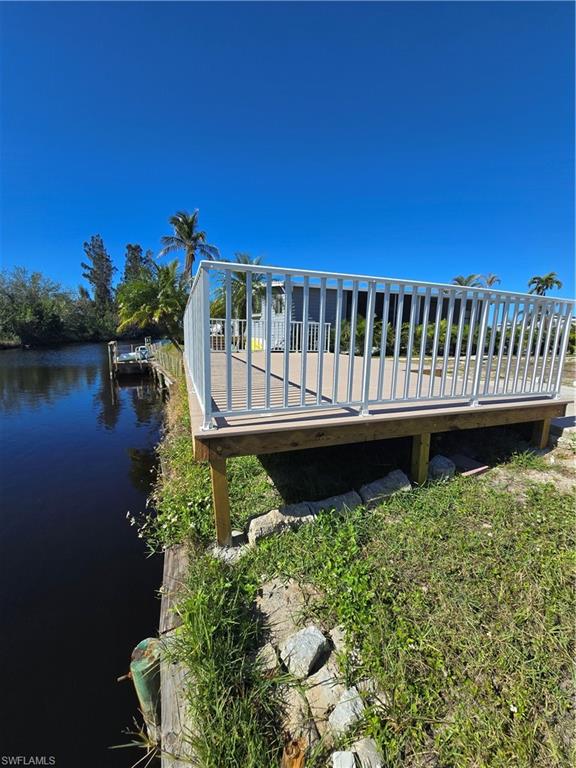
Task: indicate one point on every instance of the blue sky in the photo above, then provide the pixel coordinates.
(416, 140)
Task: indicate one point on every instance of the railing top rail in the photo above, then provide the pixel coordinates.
(221, 266)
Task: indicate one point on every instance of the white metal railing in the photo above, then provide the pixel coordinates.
(371, 340)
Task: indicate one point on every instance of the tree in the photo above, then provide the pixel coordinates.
(541, 284)
(188, 238)
(238, 288)
(490, 280)
(99, 272)
(157, 297)
(134, 262)
(473, 281)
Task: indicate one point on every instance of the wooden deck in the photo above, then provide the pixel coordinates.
(314, 428)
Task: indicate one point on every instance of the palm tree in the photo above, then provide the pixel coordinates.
(541, 284)
(158, 296)
(473, 281)
(490, 280)
(238, 288)
(188, 238)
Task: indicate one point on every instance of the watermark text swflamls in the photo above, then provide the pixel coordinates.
(27, 760)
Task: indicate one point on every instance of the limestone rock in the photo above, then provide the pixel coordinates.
(281, 604)
(343, 760)
(367, 753)
(349, 500)
(303, 651)
(338, 637)
(441, 468)
(228, 555)
(297, 720)
(277, 520)
(266, 658)
(347, 711)
(323, 691)
(372, 494)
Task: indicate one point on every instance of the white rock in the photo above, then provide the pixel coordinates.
(349, 500)
(368, 753)
(348, 711)
(323, 691)
(266, 658)
(343, 760)
(372, 494)
(441, 468)
(228, 555)
(277, 520)
(297, 720)
(281, 603)
(338, 637)
(303, 651)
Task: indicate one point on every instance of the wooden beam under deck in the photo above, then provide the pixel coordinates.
(274, 435)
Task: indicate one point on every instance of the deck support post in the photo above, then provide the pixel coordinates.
(220, 499)
(420, 458)
(541, 433)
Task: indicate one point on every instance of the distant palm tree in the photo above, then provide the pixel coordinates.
(238, 288)
(491, 280)
(157, 296)
(541, 284)
(473, 281)
(188, 238)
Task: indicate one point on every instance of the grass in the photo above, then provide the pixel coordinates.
(233, 704)
(459, 603)
(457, 599)
(182, 499)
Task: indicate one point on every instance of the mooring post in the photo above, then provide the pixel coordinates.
(541, 433)
(420, 458)
(220, 499)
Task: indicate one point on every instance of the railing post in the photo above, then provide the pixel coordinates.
(205, 346)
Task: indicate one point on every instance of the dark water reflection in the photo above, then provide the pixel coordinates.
(77, 591)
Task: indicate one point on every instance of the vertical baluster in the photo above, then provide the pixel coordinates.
(269, 339)
(287, 328)
(227, 338)
(520, 346)
(383, 341)
(321, 340)
(337, 333)
(423, 341)
(366, 363)
(414, 305)
(512, 344)
(533, 321)
(352, 354)
(304, 345)
(480, 348)
(550, 315)
(249, 340)
(501, 345)
(470, 343)
(447, 343)
(542, 310)
(459, 336)
(205, 338)
(397, 339)
(438, 318)
(493, 334)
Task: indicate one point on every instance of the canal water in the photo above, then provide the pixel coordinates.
(77, 591)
